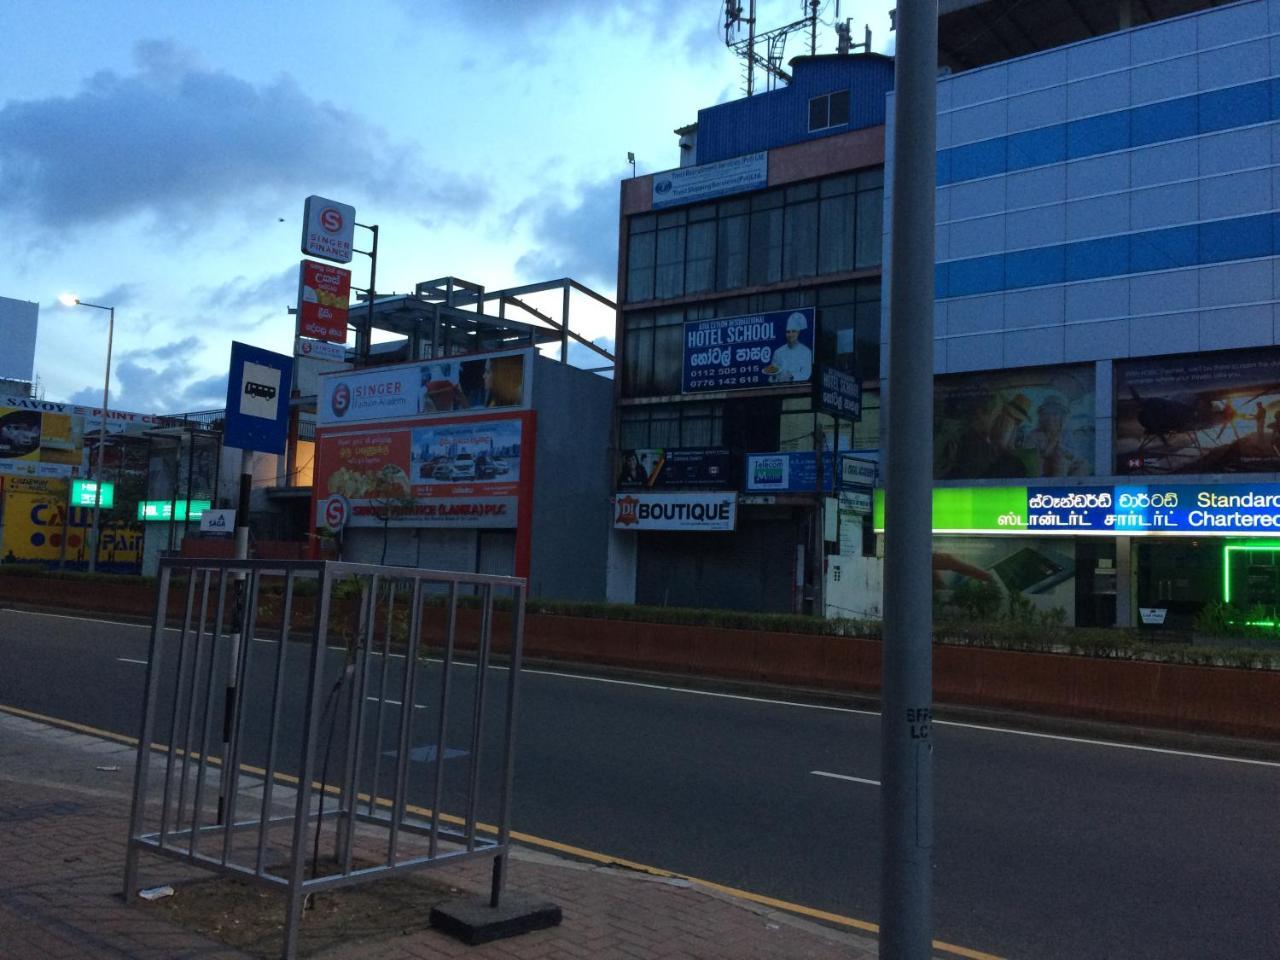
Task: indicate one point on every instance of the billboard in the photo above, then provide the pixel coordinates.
(324, 295)
(39, 444)
(328, 229)
(406, 390)
(676, 511)
(744, 353)
(1205, 413)
(18, 322)
(838, 393)
(688, 184)
(1036, 422)
(37, 521)
(456, 473)
(789, 472)
(657, 468)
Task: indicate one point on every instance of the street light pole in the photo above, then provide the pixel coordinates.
(102, 425)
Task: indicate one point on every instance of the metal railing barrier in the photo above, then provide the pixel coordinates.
(299, 707)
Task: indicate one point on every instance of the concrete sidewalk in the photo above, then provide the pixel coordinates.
(64, 804)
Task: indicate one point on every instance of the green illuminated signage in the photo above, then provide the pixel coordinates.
(83, 493)
(164, 509)
(971, 509)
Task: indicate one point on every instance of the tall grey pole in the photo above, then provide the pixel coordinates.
(235, 642)
(906, 747)
(102, 425)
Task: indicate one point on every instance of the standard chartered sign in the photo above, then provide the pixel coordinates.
(1188, 509)
(675, 511)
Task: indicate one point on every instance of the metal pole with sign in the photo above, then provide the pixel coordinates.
(258, 386)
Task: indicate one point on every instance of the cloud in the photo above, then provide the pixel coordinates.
(162, 379)
(578, 241)
(580, 356)
(182, 144)
(241, 293)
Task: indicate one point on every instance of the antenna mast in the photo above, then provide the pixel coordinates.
(774, 41)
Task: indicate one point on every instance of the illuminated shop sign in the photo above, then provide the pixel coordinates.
(84, 493)
(164, 509)
(1164, 509)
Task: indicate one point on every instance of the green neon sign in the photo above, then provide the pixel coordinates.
(84, 493)
(971, 510)
(164, 509)
(1228, 550)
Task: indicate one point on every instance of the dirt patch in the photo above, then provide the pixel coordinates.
(251, 919)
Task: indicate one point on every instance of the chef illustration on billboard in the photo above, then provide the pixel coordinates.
(793, 361)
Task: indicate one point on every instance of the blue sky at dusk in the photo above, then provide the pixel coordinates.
(149, 152)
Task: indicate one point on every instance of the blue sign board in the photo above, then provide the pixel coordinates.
(743, 353)
(676, 469)
(690, 184)
(258, 387)
(838, 393)
(1232, 508)
(789, 472)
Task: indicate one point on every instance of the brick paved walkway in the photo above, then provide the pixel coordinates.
(63, 823)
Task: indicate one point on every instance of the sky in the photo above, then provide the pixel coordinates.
(155, 157)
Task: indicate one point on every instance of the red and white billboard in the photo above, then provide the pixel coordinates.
(324, 297)
(461, 472)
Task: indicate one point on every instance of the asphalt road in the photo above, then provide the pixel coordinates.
(1046, 847)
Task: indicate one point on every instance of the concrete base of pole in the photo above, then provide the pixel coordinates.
(473, 921)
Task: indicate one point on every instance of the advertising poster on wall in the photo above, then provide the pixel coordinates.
(40, 530)
(1036, 422)
(672, 468)
(33, 443)
(1207, 413)
(461, 473)
(406, 390)
(324, 297)
(743, 353)
(976, 576)
(789, 472)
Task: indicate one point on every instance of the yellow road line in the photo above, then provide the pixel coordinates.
(567, 849)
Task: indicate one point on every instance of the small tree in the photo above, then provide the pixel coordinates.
(392, 506)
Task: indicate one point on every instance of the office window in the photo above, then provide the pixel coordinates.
(829, 110)
(672, 425)
(809, 229)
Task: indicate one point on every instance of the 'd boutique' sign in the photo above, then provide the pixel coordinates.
(675, 511)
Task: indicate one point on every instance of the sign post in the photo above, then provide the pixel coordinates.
(259, 383)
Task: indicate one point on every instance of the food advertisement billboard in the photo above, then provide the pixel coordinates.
(1032, 422)
(744, 353)
(455, 473)
(1207, 413)
(425, 388)
(324, 296)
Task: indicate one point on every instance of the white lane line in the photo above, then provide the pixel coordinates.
(844, 776)
(399, 703)
(131, 660)
(807, 706)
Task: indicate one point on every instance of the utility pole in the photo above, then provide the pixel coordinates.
(906, 744)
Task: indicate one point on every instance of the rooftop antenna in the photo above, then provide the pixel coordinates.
(774, 41)
(844, 36)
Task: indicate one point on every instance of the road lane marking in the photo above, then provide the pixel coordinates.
(131, 660)
(534, 841)
(844, 776)
(1142, 748)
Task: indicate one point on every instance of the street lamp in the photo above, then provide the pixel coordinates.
(70, 300)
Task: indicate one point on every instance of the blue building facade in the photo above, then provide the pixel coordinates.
(1108, 283)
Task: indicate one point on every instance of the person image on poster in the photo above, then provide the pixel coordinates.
(633, 474)
(793, 360)
(1052, 442)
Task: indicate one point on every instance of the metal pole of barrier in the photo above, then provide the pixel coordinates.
(355, 732)
(202, 768)
(277, 704)
(231, 761)
(171, 740)
(191, 700)
(477, 720)
(442, 722)
(408, 694)
(306, 768)
(508, 747)
(382, 695)
(141, 770)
